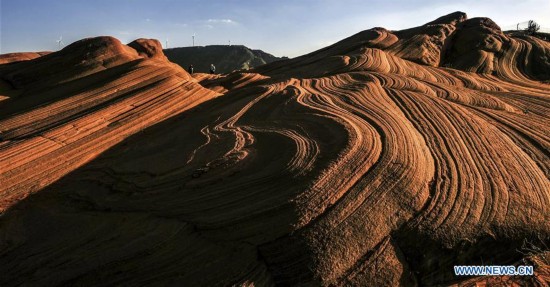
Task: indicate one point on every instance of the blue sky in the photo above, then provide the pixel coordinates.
(283, 28)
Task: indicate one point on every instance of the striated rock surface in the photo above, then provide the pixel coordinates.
(74, 104)
(18, 57)
(382, 160)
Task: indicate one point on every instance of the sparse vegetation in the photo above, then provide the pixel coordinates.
(532, 27)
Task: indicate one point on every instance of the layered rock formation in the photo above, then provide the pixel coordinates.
(382, 160)
(74, 104)
(18, 57)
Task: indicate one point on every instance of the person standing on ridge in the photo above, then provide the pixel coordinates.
(191, 69)
(212, 69)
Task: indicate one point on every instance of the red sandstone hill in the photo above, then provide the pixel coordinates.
(382, 160)
(18, 57)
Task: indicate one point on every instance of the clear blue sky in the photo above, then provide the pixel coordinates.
(283, 28)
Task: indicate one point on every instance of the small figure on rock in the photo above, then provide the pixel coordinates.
(191, 69)
(212, 69)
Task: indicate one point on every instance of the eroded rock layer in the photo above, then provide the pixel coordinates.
(383, 160)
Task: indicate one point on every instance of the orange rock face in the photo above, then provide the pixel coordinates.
(382, 160)
(18, 57)
(148, 48)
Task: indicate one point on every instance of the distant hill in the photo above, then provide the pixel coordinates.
(225, 58)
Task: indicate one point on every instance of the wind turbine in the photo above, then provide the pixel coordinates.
(166, 44)
(60, 42)
(193, 39)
